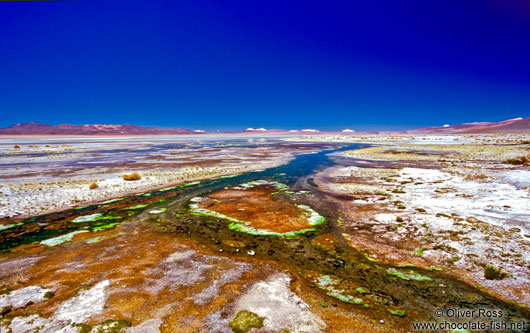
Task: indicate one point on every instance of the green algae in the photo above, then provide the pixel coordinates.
(341, 296)
(434, 268)
(369, 258)
(397, 312)
(248, 185)
(244, 321)
(176, 187)
(61, 239)
(5, 227)
(104, 226)
(110, 217)
(94, 217)
(332, 286)
(362, 290)
(138, 206)
(31, 237)
(410, 275)
(313, 217)
(420, 251)
(101, 203)
(87, 218)
(238, 226)
(112, 201)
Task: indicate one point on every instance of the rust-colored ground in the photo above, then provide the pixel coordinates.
(134, 257)
(258, 207)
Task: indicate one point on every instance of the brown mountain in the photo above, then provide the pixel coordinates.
(66, 129)
(517, 125)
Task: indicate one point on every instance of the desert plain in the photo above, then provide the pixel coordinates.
(250, 233)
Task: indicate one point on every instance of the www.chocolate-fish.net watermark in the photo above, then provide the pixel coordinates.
(471, 319)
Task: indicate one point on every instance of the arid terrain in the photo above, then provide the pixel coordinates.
(320, 233)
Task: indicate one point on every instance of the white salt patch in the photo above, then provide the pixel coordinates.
(181, 268)
(496, 201)
(519, 178)
(86, 218)
(59, 327)
(178, 256)
(21, 297)
(32, 323)
(80, 308)
(281, 308)
(386, 218)
(62, 239)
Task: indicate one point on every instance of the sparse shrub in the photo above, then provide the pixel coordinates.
(16, 146)
(132, 176)
(93, 186)
(494, 273)
(518, 161)
(49, 294)
(244, 321)
(5, 310)
(399, 219)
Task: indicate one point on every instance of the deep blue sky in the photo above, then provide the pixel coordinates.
(283, 64)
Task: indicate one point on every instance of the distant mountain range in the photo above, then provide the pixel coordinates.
(66, 129)
(518, 125)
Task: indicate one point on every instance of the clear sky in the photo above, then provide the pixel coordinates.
(277, 64)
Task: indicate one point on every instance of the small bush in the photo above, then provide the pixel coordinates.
(518, 161)
(399, 219)
(494, 273)
(132, 176)
(5, 310)
(244, 321)
(49, 294)
(93, 186)
(16, 146)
